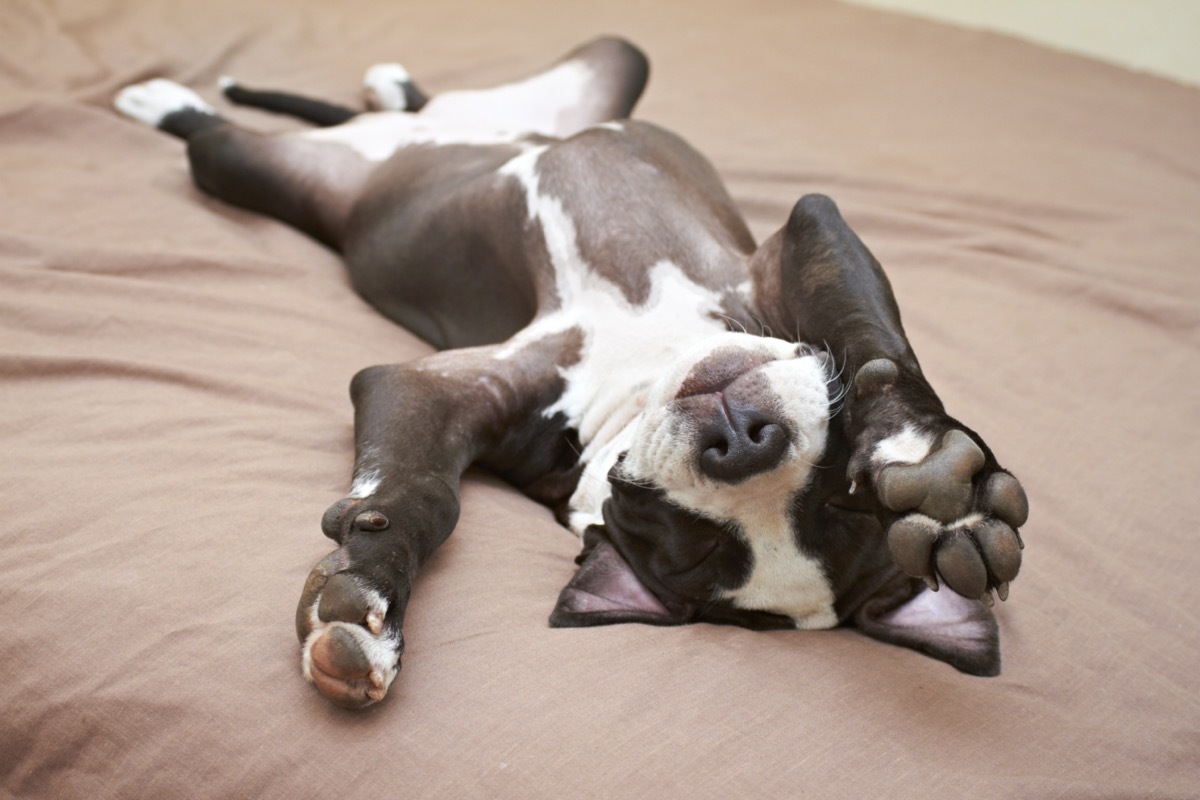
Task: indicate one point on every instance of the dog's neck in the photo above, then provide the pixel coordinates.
(605, 390)
(626, 344)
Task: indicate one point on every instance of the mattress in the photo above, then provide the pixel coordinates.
(175, 420)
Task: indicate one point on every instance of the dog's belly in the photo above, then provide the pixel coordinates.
(437, 244)
(622, 234)
(466, 243)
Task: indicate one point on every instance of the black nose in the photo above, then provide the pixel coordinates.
(741, 443)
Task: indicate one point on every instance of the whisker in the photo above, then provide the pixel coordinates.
(731, 324)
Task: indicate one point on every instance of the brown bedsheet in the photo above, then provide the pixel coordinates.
(175, 419)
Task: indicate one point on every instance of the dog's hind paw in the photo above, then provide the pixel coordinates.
(389, 87)
(152, 101)
(960, 518)
(350, 647)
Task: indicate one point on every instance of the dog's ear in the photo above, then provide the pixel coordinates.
(875, 596)
(605, 591)
(951, 628)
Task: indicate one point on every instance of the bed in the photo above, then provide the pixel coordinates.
(175, 420)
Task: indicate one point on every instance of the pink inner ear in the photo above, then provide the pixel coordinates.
(952, 628)
(946, 616)
(605, 582)
(605, 591)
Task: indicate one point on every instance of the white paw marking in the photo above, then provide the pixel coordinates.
(385, 87)
(153, 100)
(969, 521)
(365, 484)
(381, 651)
(367, 476)
(909, 446)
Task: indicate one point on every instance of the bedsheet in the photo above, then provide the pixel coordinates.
(174, 421)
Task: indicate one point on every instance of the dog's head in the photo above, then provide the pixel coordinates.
(731, 505)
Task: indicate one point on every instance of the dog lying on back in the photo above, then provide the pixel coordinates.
(598, 301)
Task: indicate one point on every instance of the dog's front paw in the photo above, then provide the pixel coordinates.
(347, 624)
(954, 515)
(960, 520)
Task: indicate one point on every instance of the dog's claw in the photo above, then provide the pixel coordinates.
(1002, 591)
(375, 622)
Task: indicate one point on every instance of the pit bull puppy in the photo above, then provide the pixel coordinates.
(739, 433)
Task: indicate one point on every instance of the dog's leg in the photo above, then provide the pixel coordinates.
(597, 82)
(417, 427)
(387, 87)
(951, 511)
(308, 184)
(318, 112)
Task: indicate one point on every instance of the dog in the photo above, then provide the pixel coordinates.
(739, 433)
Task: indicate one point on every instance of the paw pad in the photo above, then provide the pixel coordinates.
(874, 375)
(333, 522)
(350, 648)
(968, 540)
(960, 564)
(371, 521)
(971, 559)
(1004, 497)
(940, 486)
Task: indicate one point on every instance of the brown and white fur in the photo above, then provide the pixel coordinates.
(591, 287)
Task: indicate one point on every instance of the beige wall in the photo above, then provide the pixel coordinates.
(1159, 36)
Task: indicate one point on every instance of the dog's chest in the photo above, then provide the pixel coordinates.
(626, 343)
(783, 580)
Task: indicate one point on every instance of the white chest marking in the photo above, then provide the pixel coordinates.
(784, 580)
(626, 347)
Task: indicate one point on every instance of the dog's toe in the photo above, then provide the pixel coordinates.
(940, 486)
(344, 672)
(959, 523)
(350, 648)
